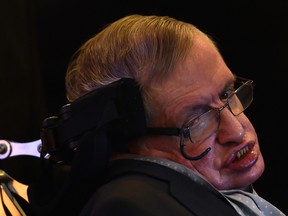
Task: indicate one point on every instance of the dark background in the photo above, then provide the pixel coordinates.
(37, 39)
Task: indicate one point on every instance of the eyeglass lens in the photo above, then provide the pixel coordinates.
(206, 124)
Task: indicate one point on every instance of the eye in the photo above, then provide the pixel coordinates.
(226, 94)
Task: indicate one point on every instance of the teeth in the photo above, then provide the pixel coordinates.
(242, 152)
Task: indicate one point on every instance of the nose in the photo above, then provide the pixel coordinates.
(230, 129)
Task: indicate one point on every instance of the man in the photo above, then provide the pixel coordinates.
(200, 154)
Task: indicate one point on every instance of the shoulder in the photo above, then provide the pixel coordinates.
(148, 189)
(134, 193)
(130, 195)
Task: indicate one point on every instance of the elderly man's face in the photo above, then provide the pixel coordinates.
(199, 84)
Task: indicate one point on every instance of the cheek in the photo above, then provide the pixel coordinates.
(193, 150)
(209, 168)
(210, 164)
(205, 168)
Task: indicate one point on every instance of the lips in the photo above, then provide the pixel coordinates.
(242, 159)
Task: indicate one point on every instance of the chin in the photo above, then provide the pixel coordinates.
(242, 180)
(245, 180)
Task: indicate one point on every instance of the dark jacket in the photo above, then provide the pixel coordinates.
(141, 188)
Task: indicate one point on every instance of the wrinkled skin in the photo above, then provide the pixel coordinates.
(198, 81)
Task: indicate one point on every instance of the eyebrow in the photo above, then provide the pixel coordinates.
(228, 85)
(230, 82)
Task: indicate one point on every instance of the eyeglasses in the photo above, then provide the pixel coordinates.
(203, 126)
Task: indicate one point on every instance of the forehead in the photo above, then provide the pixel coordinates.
(198, 79)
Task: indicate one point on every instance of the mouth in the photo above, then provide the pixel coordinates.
(242, 159)
(242, 153)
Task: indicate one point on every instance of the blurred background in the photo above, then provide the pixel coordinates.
(38, 38)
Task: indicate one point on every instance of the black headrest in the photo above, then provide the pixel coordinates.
(76, 145)
(117, 106)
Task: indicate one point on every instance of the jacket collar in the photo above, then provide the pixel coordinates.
(196, 197)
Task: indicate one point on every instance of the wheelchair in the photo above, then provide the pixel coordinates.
(73, 150)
